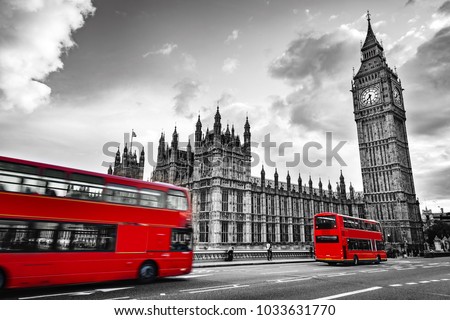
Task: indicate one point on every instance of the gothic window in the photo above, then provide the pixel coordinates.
(296, 230)
(258, 203)
(270, 232)
(284, 227)
(224, 200)
(272, 205)
(256, 232)
(204, 231)
(224, 231)
(240, 232)
(240, 201)
(308, 234)
(203, 200)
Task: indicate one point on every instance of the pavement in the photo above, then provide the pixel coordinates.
(209, 264)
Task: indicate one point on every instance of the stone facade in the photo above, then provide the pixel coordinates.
(232, 207)
(383, 144)
(128, 165)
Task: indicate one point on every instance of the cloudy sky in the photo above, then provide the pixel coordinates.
(78, 75)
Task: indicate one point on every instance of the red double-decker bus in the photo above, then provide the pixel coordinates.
(60, 225)
(341, 238)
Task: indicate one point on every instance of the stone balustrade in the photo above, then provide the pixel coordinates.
(220, 255)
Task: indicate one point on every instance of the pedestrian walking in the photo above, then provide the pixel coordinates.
(230, 252)
(269, 251)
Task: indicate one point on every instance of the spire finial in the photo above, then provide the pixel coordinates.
(368, 15)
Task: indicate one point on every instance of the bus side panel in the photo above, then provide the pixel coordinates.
(328, 251)
(22, 271)
(93, 267)
(158, 248)
(59, 268)
(132, 238)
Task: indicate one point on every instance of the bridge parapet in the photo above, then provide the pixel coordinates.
(220, 255)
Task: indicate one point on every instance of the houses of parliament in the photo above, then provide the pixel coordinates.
(232, 207)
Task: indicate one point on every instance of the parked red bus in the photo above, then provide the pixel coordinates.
(341, 238)
(60, 225)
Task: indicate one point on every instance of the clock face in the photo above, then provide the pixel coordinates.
(397, 96)
(370, 96)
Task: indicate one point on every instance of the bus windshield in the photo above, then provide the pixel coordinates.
(325, 222)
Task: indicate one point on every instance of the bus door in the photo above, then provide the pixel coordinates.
(181, 248)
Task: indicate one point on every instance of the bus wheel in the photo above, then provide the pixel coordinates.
(147, 272)
(378, 260)
(355, 260)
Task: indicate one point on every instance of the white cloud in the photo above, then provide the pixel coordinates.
(232, 37)
(439, 21)
(189, 62)
(165, 50)
(187, 91)
(230, 65)
(34, 34)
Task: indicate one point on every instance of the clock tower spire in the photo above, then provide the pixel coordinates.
(383, 146)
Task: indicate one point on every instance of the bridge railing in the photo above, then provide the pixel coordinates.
(216, 255)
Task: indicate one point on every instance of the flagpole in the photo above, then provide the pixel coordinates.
(131, 146)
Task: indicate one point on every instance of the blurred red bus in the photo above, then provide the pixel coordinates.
(60, 225)
(341, 238)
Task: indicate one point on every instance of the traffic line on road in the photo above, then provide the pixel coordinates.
(216, 288)
(403, 269)
(374, 271)
(189, 276)
(345, 294)
(290, 280)
(419, 282)
(77, 293)
(277, 272)
(341, 274)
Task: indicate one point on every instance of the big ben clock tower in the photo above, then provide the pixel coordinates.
(383, 146)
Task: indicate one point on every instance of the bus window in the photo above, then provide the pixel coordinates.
(325, 222)
(32, 186)
(152, 198)
(87, 237)
(351, 223)
(16, 177)
(55, 183)
(380, 245)
(92, 180)
(358, 244)
(176, 200)
(31, 236)
(327, 239)
(10, 183)
(181, 240)
(85, 187)
(16, 167)
(120, 194)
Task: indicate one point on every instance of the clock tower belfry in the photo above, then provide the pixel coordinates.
(387, 176)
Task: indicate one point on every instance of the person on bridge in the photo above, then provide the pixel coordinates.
(230, 252)
(269, 251)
